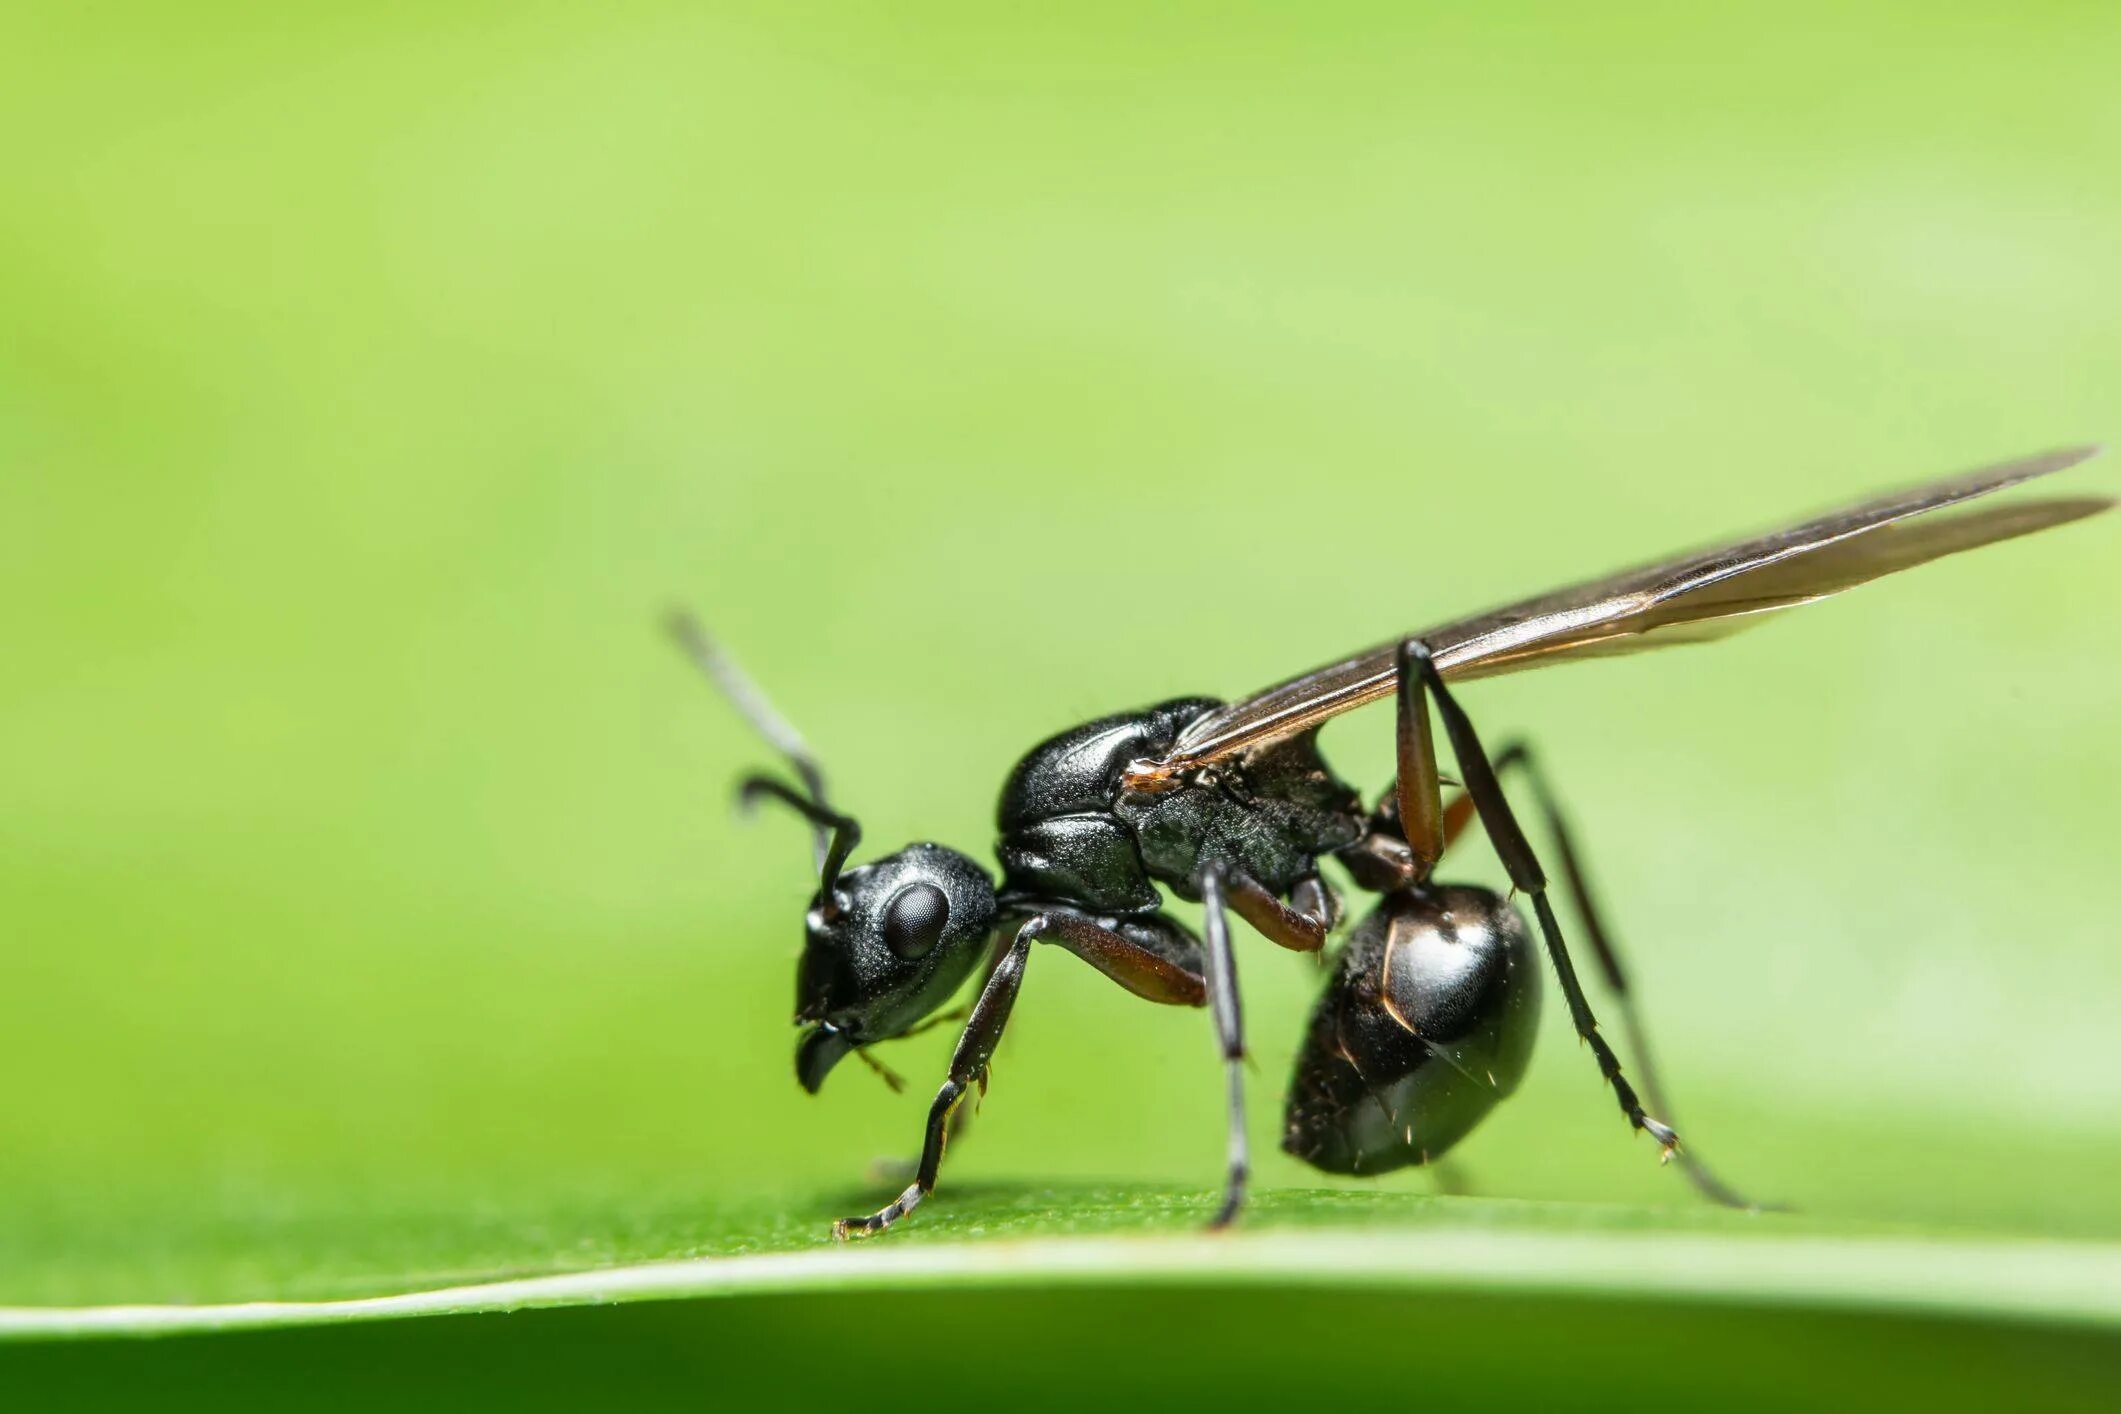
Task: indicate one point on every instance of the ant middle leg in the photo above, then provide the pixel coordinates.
(1300, 925)
(1229, 1036)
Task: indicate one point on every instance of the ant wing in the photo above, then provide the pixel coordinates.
(1692, 598)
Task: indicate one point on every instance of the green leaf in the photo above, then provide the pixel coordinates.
(1292, 1239)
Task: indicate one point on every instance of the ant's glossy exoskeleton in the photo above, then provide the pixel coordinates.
(1428, 1019)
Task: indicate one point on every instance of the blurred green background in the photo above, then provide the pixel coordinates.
(371, 376)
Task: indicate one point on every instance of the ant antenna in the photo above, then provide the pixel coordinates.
(840, 832)
(833, 835)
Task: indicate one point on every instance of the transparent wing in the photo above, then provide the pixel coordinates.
(1692, 598)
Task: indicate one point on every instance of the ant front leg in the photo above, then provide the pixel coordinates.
(1161, 973)
(1418, 676)
(968, 1065)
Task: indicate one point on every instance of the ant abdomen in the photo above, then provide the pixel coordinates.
(1428, 1022)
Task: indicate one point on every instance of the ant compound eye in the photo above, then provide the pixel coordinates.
(913, 923)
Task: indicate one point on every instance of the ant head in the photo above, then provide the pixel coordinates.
(884, 944)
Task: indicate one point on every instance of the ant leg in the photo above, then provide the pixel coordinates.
(968, 1063)
(1419, 787)
(1229, 1036)
(1136, 966)
(1518, 756)
(1382, 861)
(1504, 833)
(901, 1170)
(1457, 814)
(1450, 1177)
(1410, 829)
(1300, 925)
(1318, 899)
(941, 1018)
(1173, 977)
